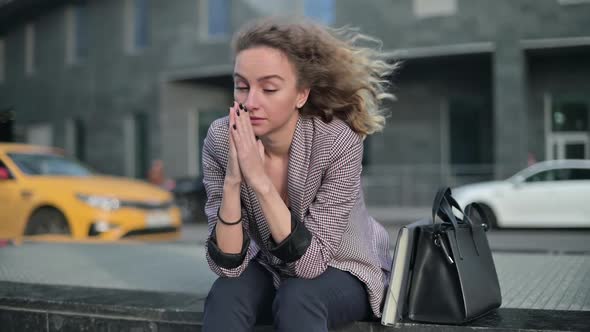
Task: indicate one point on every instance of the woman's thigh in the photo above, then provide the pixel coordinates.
(335, 298)
(236, 304)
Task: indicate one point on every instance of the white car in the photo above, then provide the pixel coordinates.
(548, 194)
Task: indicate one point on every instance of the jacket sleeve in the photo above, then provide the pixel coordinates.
(223, 264)
(328, 215)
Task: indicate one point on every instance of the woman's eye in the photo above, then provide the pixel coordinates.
(270, 90)
(241, 88)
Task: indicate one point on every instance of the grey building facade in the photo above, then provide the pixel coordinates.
(485, 87)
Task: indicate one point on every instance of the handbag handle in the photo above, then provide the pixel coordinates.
(443, 206)
(477, 208)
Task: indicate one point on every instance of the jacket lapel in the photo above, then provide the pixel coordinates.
(299, 156)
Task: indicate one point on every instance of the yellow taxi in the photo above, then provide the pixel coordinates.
(44, 192)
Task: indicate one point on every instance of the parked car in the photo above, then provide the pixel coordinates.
(44, 192)
(549, 194)
(190, 196)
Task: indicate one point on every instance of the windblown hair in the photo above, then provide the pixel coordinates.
(346, 79)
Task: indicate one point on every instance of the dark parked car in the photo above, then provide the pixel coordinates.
(190, 196)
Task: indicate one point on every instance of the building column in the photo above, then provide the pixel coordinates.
(510, 109)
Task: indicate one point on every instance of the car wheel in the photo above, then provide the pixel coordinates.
(47, 221)
(489, 216)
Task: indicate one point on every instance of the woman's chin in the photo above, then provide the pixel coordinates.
(259, 132)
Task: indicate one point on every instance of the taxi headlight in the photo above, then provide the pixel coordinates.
(100, 202)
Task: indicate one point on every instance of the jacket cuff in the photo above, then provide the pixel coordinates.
(293, 246)
(228, 261)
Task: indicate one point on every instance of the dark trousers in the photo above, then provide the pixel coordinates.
(328, 301)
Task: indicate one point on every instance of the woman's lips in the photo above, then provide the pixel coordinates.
(254, 120)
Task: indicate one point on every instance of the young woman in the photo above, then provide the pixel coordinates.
(290, 236)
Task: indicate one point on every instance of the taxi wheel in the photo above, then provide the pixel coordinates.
(47, 221)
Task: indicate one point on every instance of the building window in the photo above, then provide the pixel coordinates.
(215, 18)
(29, 49)
(40, 134)
(573, 2)
(136, 142)
(76, 38)
(430, 8)
(136, 25)
(2, 61)
(76, 138)
(321, 11)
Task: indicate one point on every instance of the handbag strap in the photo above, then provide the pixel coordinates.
(475, 207)
(443, 207)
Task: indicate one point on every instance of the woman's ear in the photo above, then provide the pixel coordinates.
(302, 97)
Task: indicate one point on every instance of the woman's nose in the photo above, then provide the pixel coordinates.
(252, 100)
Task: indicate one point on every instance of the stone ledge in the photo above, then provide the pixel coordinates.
(35, 307)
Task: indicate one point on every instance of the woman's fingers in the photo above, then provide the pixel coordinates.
(244, 129)
(247, 125)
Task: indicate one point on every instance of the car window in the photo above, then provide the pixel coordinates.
(48, 164)
(580, 174)
(561, 174)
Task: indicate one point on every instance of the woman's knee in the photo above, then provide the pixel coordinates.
(226, 291)
(296, 301)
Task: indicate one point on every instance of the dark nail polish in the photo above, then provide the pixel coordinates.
(235, 127)
(238, 112)
(241, 106)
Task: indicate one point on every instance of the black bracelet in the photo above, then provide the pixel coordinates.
(228, 223)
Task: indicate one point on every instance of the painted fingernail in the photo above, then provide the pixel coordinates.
(241, 106)
(238, 112)
(235, 127)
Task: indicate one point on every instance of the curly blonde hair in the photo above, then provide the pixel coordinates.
(346, 80)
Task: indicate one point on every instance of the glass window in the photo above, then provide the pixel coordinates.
(319, 10)
(29, 49)
(218, 17)
(570, 116)
(429, 8)
(75, 34)
(573, 2)
(580, 174)
(48, 164)
(75, 138)
(560, 174)
(140, 23)
(2, 61)
(136, 140)
(80, 38)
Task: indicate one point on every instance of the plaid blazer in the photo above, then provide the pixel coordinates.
(324, 188)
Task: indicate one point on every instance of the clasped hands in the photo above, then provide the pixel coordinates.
(246, 152)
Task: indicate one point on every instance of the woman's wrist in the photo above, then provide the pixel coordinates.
(231, 183)
(262, 187)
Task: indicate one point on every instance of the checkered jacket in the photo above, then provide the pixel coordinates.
(324, 188)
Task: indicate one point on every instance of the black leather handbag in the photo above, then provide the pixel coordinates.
(453, 277)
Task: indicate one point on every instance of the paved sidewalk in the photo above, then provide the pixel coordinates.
(533, 281)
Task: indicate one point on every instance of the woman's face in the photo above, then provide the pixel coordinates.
(266, 83)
